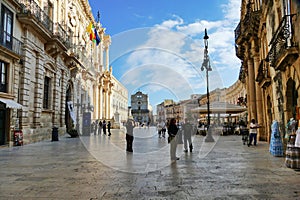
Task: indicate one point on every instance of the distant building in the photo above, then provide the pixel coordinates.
(140, 108)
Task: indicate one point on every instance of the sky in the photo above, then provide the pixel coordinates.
(157, 46)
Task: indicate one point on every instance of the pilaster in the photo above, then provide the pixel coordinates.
(259, 102)
(25, 88)
(252, 93)
(63, 85)
(38, 90)
(56, 97)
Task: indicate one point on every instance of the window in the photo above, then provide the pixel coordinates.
(6, 27)
(46, 100)
(3, 77)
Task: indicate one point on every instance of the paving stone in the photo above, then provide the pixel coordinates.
(98, 167)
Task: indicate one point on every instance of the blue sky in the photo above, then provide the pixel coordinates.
(157, 46)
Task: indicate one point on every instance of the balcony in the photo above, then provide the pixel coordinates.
(243, 73)
(284, 51)
(247, 28)
(263, 77)
(62, 35)
(10, 45)
(31, 14)
(57, 38)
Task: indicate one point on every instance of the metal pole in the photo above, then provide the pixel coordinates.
(206, 65)
(207, 93)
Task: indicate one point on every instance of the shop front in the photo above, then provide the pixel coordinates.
(7, 121)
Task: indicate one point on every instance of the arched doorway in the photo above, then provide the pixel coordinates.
(291, 99)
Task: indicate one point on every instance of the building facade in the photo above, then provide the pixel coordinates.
(119, 111)
(140, 107)
(51, 69)
(267, 42)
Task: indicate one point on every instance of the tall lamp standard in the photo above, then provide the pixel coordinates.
(206, 65)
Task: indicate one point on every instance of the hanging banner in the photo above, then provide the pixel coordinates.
(71, 110)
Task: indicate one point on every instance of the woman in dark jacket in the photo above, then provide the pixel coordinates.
(172, 131)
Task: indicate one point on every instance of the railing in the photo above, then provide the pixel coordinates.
(263, 71)
(282, 39)
(242, 74)
(249, 25)
(62, 34)
(31, 7)
(79, 52)
(10, 42)
(237, 31)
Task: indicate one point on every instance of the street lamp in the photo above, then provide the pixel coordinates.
(206, 65)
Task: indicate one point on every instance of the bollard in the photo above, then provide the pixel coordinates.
(54, 134)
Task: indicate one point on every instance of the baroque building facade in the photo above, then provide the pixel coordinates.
(267, 43)
(140, 108)
(51, 69)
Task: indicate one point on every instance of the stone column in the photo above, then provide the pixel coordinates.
(63, 86)
(100, 102)
(251, 91)
(109, 114)
(104, 103)
(56, 99)
(25, 84)
(107, 59)
(100, 57)
(259, 102)
(38, 90)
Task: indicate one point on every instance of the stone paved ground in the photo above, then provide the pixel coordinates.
(97, 167)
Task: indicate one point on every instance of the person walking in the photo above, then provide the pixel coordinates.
(95, 127)
(187, 136)
(253, 132)
(100, 127)
(172, 131)
(104, 127)
(108, 128)
(163, 130)
(129, 134)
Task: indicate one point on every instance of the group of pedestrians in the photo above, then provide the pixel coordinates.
(173, 129)
(101, 126)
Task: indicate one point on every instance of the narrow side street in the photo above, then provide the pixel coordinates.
(98, 167)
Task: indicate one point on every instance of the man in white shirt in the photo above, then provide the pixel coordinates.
(253, 132)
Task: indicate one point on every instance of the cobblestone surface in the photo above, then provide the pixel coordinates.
(97, 167)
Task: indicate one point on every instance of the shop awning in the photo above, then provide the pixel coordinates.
(220, 107)
(11, 103)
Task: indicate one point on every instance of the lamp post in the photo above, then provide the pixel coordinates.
(206, 65)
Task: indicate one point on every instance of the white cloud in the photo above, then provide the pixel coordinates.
(232, 10)
(173, 52)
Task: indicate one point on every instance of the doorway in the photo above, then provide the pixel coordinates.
(2, 123)
(291, 101)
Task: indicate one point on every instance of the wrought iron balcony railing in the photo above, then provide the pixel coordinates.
(282, 43)
(243, 73)
(10, 42)
(263, 75)
(247, 28)
(31, 7)
(62, 34)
